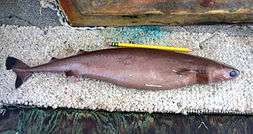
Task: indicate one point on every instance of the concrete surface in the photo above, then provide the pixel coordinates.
(27, 13)
(36, 42)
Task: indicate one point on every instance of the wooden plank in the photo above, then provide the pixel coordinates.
(156, 12)
(55, 121)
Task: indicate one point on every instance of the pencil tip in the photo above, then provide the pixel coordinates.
(114, 44)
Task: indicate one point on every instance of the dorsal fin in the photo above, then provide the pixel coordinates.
(53, 59)
(82, 52)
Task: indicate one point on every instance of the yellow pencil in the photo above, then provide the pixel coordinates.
(178, 49)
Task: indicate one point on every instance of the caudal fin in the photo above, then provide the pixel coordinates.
(19, 68)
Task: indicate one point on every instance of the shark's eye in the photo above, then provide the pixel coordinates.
(234, 73)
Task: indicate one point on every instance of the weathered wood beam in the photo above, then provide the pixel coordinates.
(156, 12)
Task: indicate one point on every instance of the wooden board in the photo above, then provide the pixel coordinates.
(49, 121)
(156, 12)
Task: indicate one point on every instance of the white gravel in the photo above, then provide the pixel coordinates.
(230, 44)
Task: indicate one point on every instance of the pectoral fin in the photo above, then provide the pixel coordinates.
(200, 75)
(185, 71)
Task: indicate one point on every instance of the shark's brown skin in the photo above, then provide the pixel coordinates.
(135, 68)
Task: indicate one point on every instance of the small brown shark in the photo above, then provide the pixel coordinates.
(132, 67)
